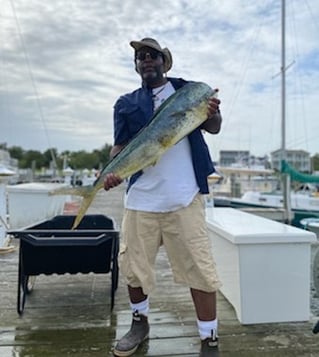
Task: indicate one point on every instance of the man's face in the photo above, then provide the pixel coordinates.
(149, 64)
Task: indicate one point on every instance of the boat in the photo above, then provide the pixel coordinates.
(311, 224)
(232, 181)
(9, 163)
(304, 202)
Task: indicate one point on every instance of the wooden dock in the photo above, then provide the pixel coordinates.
(69, 315)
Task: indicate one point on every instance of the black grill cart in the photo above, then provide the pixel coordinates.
(51, 247)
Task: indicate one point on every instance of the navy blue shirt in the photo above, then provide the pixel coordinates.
(134, 110)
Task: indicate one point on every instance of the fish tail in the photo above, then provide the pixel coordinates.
(88, 197)
(87, 192)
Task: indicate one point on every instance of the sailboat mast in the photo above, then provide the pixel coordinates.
(285, 177)
(283, 79)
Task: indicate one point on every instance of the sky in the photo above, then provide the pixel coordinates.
(64, 63)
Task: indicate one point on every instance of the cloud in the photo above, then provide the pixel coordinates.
(63, 64)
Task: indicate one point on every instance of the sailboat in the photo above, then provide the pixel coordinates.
(304, 202)
(297, 205)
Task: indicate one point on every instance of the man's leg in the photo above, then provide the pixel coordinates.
(188, 248)
(205, 306)
(141, 239)
(139, 330)
(136, 295)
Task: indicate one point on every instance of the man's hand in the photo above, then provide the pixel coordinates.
(111, 180)
(214, 119)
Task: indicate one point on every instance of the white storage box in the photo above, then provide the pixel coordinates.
(264, 266)
(30, 203)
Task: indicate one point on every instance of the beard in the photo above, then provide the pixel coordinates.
(152, 75)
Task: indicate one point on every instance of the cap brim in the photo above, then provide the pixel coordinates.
(139, 44)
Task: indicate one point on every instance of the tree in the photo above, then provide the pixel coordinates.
(77, 160)
(16, 152)
(30, 157)
(82, 159)
(49, 156)
(105, 154)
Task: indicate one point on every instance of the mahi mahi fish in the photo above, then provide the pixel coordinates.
(177, 117)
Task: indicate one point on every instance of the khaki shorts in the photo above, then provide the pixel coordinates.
(184, 235)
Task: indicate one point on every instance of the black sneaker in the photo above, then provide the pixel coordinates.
(209, 347)
(130, 342)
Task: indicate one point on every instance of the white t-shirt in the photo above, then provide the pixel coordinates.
(171, 183)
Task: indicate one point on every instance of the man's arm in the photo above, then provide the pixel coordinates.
(115, 150)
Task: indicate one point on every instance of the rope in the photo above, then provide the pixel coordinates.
(26, 56)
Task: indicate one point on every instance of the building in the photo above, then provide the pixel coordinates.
(231, 157)
(242, 158)
(298, 159)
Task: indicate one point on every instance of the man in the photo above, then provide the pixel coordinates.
(164, 204)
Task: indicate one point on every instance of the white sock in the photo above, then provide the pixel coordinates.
(142, 307)
(205, 328)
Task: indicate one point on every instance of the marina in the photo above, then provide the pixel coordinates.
(269, 302)
(70, 315)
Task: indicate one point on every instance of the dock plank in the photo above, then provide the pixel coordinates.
(69, 315)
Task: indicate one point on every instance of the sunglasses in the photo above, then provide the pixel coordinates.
(141, 55)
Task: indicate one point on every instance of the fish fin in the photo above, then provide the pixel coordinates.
(75, 191)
